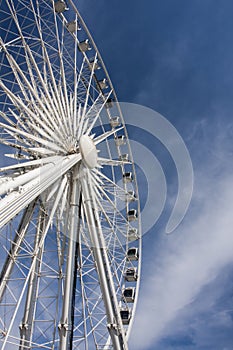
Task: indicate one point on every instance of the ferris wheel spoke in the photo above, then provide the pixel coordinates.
(60, 53)
(63, 108)
(36, 15)
(97, 114)
(63, 86)
(101, 193)
(74, 109)
(47, 144)
(85, 116)
(93, 108)
(20, 104)
(105, 189)
(14, 16)
(58, 112)
(88, 87)
(37, 102)
(110, 221)
(111, 162)
(15, 69)
(58, 95)
(105, 135)
(18, 147)
(18, 71)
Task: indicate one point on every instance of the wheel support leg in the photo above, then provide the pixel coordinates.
(65, 325)
(115, 326)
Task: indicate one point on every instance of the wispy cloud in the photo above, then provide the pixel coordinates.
(184, 263)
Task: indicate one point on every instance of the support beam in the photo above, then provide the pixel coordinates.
(16, 246)
(115, 326)
(66, 322)
(16, 201)
(26, 327)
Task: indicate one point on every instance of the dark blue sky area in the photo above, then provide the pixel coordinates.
(171, 54)
(175, 57)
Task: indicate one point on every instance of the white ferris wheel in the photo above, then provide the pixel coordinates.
(69, 210)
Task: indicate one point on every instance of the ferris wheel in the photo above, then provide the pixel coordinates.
(70, 246)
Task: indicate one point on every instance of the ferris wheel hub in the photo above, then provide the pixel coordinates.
(88, 151)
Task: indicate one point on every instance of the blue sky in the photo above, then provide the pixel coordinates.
(176, 57)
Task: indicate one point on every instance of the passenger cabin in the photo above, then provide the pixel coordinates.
(130, 274)
(125, 316)
(129, 294)
(133, 234)
(120, 140)
(130, 196)
(124, 157)
(84, 46)
(94, 62)
(132, 215)
(109, 103)
(132, 254)
(102, 84)
(128, 177)
(60, 6)
(115, 121)
(73, 26)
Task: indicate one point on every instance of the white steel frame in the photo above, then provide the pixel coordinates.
(63, 225)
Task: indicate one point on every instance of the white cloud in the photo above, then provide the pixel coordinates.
(179, 266)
